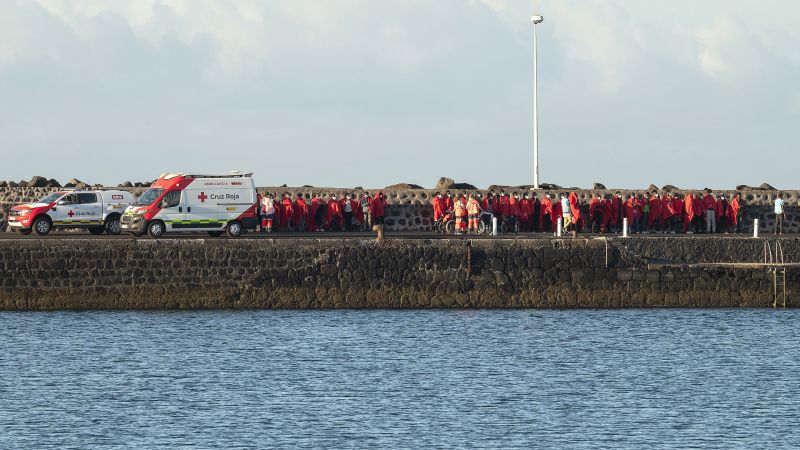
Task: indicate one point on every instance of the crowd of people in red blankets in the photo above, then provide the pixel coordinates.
(670, 213)
(305, 213)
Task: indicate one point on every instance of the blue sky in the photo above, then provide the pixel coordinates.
(370, 93)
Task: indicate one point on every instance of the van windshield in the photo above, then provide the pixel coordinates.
(52, 197)
(148, 197)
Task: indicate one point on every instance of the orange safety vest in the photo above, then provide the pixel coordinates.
(459, 208)
(472, 207)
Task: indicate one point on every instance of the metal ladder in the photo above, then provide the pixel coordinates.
(777, 265)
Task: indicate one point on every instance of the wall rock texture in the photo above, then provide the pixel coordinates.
(312, 274)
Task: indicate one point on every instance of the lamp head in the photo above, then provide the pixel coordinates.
(537, 19)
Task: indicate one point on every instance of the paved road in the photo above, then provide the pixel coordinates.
(355, 235)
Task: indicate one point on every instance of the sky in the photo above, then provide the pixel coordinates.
(371, 93)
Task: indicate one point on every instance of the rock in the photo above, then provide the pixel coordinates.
(767, 187)
(652, 188)
(358, 188)
(74, 183)
(12, 184)
(599, 186)
(126, 184)
(670, 187)
(37, 181)
(744, 187)
(444, 184)
(23, 183)
(98, 185)
(3, 184)
(284, 185)
(549, 186)
(465, 186)
(307, 186)
(52, 182)
(403, 186)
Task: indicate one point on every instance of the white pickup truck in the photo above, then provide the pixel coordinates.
(98, 211)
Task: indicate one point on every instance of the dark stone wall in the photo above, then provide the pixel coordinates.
(524, 273)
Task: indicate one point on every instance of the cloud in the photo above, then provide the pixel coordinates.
(411, 90)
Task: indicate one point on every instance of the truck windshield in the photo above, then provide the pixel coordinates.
(52, 197)
(148, 197)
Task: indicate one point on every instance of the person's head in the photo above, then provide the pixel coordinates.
(547, 194)
(300, 195)
(534, 195)
(447, 194)
(563, 195)
(619, 194)
(471, 196)
(780, 195)
(380, 195)
(502, 192)
(347, 196)
(525, 196)
(437, 194)
(333, 196)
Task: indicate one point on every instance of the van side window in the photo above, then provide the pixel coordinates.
(86, 197)
(172, 199)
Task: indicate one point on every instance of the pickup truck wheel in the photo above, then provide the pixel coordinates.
(113, 225)
(42, 226)
(156, 229)
(96, 231)
(234, 228)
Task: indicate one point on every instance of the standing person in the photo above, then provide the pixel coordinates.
(377, 212)
(318, 212)
(656, 212)
(699, 212)
(487, 204)
(688, 216)
(668, 214)
(525, 213)
(348, 212)
(677, 204)
(535, 212)
(575, 213)
(617, 210)
(545, 213)
(334, 218)
(608, 214)
(513, 212)
(286, 212)
(596, 213)
(300, 213)
(721, 213)
(779, 214)
(366, 204)
(566, 216)
(499, 208)
(438, 207)
(473, 214)
(632, 212)
(644, 203)
(460, 210)
(710, 208)
(733, 213)
(268, 212)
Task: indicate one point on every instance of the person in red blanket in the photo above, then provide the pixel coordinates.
(617, 212)
(499, 207)
(699, 212)
(300, 213)
(688, 212)
(668, 214)
(575, 214)
(377, 212)
(545, 214)
(733, 213)
(710, 208)
(448, 202)
(335, 217)
(438, 207)
(656, 213)
(608, 214)
(286, 212)
(358, 214)
(721, 213)
(318, 215)
(596, 213)
(677, 203)
(633, 212)
(512, 213)
(526, 213)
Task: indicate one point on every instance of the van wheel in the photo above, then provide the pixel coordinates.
(156, 229)
(113, 225)
(42, 226)
(215, 233)
(234, 229)
(96, 231)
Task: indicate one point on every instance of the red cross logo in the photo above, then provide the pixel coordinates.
(70, 213)
(202, 197)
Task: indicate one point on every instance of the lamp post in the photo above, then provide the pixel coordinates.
(535, 20)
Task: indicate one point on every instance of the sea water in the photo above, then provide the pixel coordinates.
(400, 379)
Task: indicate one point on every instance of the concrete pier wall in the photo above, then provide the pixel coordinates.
(259, 273)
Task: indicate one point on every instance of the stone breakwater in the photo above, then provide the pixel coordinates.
(411, 210)
(315, 274)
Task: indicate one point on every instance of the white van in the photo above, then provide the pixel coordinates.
(180, 202)
(98, 211)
